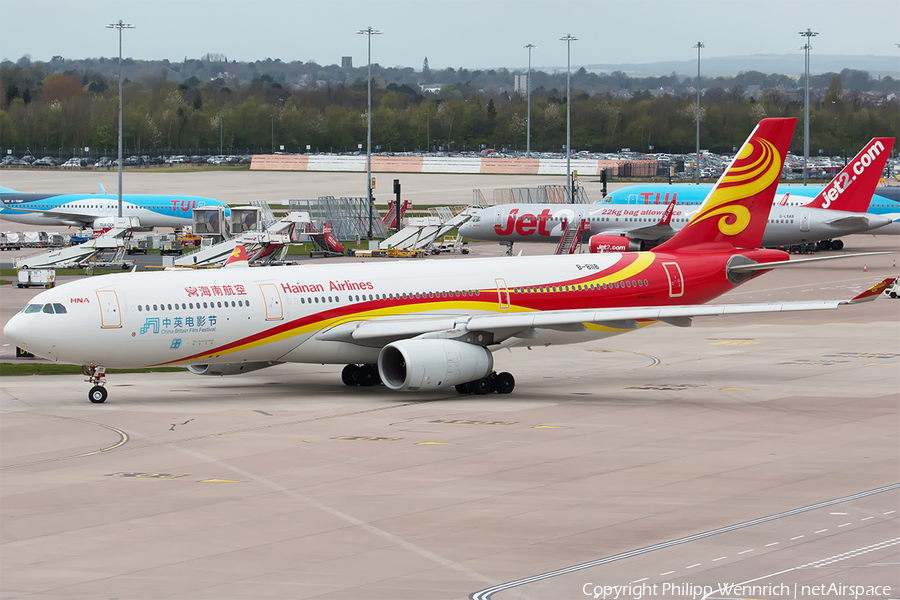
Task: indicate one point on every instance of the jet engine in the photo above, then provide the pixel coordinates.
(432, 364)
(614, 243)
(230, 368)
(104, 223)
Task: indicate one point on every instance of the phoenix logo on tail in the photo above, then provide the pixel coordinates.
(736, 211)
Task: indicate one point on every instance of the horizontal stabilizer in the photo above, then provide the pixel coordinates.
(798, 261)
(873, 292)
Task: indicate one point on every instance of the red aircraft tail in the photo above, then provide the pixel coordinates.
(735, 212)
(667, 214)
(238, 258)
(333, 244)
(853, 187)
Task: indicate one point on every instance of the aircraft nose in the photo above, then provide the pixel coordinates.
(16, 330)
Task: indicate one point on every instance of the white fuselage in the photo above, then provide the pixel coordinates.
(100, 210)
(541, 222)
(295, 313)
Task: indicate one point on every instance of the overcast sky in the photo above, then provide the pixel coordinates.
(451, 33)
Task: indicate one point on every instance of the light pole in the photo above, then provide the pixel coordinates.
(808, 34)
(368, 31)
(120, 26)
(273, 134)
(698, 45)
(568, 40)
(528, 88)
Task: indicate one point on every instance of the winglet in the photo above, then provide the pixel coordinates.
(238, 258)
(735, 213)
(852, 188)
(100, 185)
(873, 292)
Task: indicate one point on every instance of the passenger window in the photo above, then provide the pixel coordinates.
(169, 306)
(247, 303)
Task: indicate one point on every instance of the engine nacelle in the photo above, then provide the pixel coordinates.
(104, 223)
(432, 364)
(229, 368)
(614, 243)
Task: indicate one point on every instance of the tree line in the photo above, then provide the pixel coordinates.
(64, 112)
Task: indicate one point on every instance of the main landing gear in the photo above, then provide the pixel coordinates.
(502, 383)
(364, 375)
(97, 375)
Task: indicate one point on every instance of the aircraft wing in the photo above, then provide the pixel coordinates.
(68, 218)
(855, 220)
(524, 324)
(649, 233)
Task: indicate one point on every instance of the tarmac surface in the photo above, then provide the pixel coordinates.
(757, 450)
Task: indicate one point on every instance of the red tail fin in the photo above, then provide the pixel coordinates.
(330, 240)
(735, 212)
(853, 187)
(667, 215)
(238, 258)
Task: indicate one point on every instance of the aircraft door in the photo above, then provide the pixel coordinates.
(502, 293)
(804, 220)
(676, 282)
(274, 311)
(579, 217)
(110, 314)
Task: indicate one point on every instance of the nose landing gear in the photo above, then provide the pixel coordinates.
(97, 375)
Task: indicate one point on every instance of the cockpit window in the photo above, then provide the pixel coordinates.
(49, 309)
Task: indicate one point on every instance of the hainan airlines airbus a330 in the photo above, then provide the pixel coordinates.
(420, 325)
(99, 211)
(643, 221)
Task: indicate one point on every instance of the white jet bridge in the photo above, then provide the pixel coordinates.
(265, 238)
(105, 251)
(421, 232)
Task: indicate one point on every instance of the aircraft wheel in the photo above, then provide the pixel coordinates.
(348, 375)
(480, 387)
(463, 388)
(504, 383)
(837, 245)
(97, 395)
(367, 376)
